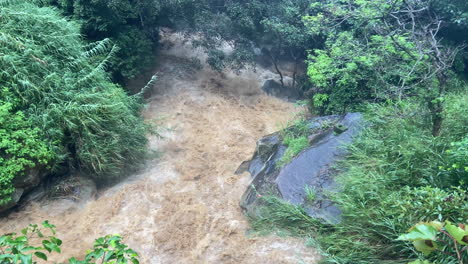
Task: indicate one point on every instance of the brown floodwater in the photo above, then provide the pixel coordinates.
(184, 206)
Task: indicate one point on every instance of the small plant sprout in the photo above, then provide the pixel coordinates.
(311, 193)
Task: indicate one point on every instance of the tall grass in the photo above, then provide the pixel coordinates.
(391, 180)
(61, 85)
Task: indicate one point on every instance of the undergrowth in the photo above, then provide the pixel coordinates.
(295, 138)
(277, 214)
(396, 175)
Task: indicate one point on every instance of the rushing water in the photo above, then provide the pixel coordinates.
(183, 208)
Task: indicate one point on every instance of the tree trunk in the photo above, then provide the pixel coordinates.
(437, 119)
(279, 72)
(436, 106)
(275, 63)
(294, 74)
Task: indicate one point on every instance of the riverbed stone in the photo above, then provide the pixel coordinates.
(24, 184)
(74, 187)
(313, 167)
(274, 88)
(15, 197)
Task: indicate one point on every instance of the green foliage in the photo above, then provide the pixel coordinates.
(274, 26)
(310, 194)
(60, 86)
(36, 242)
(456, 168)
(295, 146)
(373, 52)
(390, 180)
(21, 148)
(443, 238)
(136, 52)
(19, 249)
(278, 214)
(132, 25)
(295, 138)
(360, 61)
(109, 250)
(350, 71)
(456, 123)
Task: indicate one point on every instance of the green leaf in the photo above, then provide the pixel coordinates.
(422, 231)
(57, 241)
(459, 233)
(425, 246)
(26, 259)
(41, 255)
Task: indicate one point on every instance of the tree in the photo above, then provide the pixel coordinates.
(393, 50)
(422, 24)
(249, 27)
(132, 25)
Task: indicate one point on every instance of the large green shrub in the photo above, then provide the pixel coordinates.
(21, 148)
(60, 86)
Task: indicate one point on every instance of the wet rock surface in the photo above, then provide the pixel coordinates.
(23, 185)
(274, 88)
(15, 197)
(313, 167)
(75, 188)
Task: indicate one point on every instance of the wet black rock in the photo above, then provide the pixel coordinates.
(75, 188)
(24, 184)
(274, 88)
(15, 197)
(313, 167)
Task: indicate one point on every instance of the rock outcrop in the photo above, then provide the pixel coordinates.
(24, 184)
(75, 188)
(274, 88)
(313, 167)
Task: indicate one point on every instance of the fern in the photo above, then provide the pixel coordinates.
(61, 86)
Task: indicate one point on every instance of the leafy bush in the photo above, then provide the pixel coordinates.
(60, 86)
(24, 248)
(21, 148)
(456, 168)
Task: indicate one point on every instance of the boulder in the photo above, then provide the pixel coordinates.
(274, 88)
(313, 167)
(76, 188)
(16, 196)
(24, 184)
(29, 180)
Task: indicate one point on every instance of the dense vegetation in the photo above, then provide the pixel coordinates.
(59, 108)
(401, 62)
(131, 25)
(397, 175)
